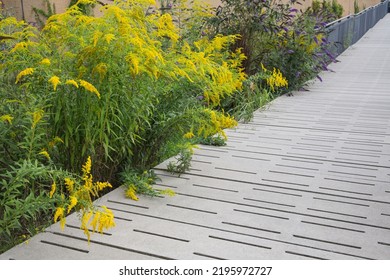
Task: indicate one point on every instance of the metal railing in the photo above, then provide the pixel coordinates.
(348, 30)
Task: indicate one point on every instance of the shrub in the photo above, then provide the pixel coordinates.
(123, 91)
(277, 35)
(332, 9)
(112, 86)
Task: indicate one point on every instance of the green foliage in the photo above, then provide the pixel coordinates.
(277, 36)
(337, 9)
(212, 141)
(112, 87)
(42, 15)
(122, 91)
(183, 161)
(356, 6)
(141, 182)
(252, 97)
(333, 9)
(25, 204)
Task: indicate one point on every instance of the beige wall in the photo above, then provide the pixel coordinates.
(348, 5)
(14, 7)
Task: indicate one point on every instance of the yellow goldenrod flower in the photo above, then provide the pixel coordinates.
(36, 117)
(72, 82)
(95, 221)
(188, 135)
(106, 219)
(217, 122)
(88, 185)
(73, 202)
(69, 184)
(219, 42)
(85, 218)
(19, 46)
(166, 27)
(89, 87)
(102, 185)
(55, 81)
(87, 167)
(86, 2)
(45, 154)
(134, 61)
(130, 193)
(6, 118)
(275, 78)
(25, 72)
(84, 223)
(45, 62)
(109, 37)
(53, 190)
(59, 214)
(62, 222)
(96, 35)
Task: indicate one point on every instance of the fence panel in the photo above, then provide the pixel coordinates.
(347, 31)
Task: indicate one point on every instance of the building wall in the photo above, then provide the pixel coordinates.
(348, 5)
(22, 9)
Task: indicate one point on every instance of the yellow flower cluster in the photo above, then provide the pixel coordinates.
(6, 118)
(131, 193)
(215, 123)
(55, 81)
(80, 198)
(60, 214)
(69, 184)
(211, 59)
(72, 82)
(45, 62)
(189, 135)
(45, 153)
(72, 203)
(89, 87)
(25, 72)
(99, 220)
(275, 78)
(165, 27)
(36, 117)
(148, 45)
(109, 37)
(86, 168)
(22, 46)
(52, 191)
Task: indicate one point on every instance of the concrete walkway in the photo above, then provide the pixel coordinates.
(308, 178)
